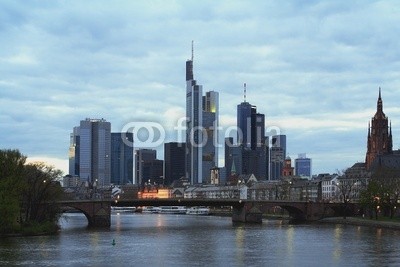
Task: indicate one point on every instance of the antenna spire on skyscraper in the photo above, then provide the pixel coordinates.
(192, 51)
(244, 92)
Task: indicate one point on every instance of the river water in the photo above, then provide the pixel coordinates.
(184, 240)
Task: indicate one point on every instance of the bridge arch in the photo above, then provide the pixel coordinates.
(98, 213)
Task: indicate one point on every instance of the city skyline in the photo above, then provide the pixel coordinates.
(313, 69)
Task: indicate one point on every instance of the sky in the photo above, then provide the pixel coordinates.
(313, 68)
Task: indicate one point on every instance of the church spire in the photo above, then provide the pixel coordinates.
(380, 104)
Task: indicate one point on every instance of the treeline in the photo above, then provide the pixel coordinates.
(382, 195)
(28, 195)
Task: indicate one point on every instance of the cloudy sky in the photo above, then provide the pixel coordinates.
(312, 67)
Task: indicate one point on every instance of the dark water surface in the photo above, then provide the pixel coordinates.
(183, 240)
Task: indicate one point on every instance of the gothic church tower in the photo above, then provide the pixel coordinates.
(379, 135)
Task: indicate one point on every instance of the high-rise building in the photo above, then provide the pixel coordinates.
(121, 158)
(210, 134)
(245, 113)
(194, 133)
(201, 130)
(379, 135)
(277, 156)
(90, 151)
(174, 162)
(251, 139)
(74, 150)
(303, 166)
(233, 158)
(143, 157)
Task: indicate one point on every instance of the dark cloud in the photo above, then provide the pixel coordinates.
(313, 67)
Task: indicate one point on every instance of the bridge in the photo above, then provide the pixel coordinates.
(98, 211)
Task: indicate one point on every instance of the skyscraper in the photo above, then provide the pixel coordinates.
(121, 158)
(74, 150)
(379, 140)
(202, 116)
(210, 134)
(92, 141)
(303, 166)
(194, 133)
(174, 161)
(251, 139)
(245, 112)
(277, 156)
(142, 157)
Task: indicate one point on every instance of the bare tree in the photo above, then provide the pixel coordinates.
(345, 188)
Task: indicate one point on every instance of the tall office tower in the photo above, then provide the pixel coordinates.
(174, 162)
(245, 112)
(379, 135)
(210, 134)
(251, 137)
(233, 158)
(142, 158)
(121, 158)
(303, 166)
(277, 156)
(194, 120)
(74, 150)
(95, 151)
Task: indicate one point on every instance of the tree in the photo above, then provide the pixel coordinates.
(388, 181)
(28, 193)
(11, 184)
(345, 188)
(370, 198)
(41, 193)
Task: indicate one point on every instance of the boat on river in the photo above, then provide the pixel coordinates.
(173, 209)
(198, 210)
(122, 209)
(151, 209)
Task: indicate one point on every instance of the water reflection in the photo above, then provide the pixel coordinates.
(239, 255)
(169, 240)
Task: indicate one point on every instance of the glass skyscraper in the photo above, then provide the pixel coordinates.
(201, 129)
(90, 151)
(121, 158)
(303, 166)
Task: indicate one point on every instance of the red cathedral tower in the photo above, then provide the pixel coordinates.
(379, 135)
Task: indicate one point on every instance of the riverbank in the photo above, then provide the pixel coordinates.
(362, 222)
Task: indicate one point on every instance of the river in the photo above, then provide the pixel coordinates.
(184, 240)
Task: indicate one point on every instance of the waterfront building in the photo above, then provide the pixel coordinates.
(330, 190)
(379, 140)
(121, 158)
(303, 166)
(174, 162)
(90, 151)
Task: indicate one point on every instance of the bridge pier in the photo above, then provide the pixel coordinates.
(246, 213)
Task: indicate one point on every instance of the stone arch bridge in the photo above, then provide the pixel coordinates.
(98, 212)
